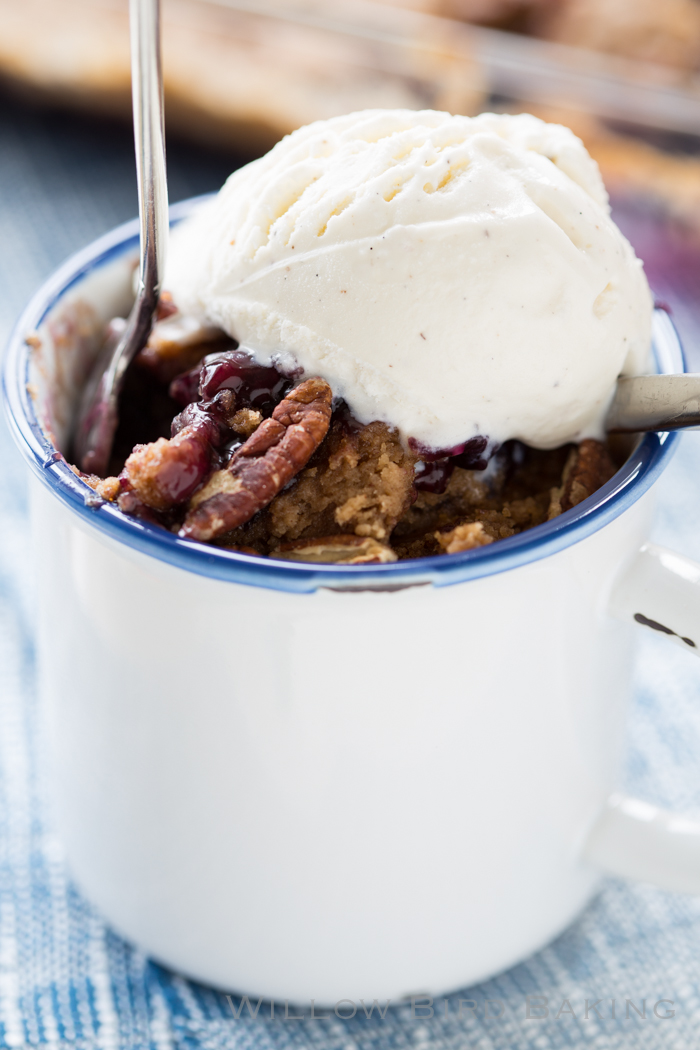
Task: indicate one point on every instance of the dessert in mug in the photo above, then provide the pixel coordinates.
(397, 334)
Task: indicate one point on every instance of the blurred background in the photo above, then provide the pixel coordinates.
(239, 74)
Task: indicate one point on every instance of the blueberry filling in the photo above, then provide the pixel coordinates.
(255, 386)
(435, 466)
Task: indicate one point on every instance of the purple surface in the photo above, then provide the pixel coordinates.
(671, 255)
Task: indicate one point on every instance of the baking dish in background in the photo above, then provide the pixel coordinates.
(243, 73)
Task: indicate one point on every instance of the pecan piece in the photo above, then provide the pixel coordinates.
(588, 467)
(345, 550)
(166, 472)
(263, 465)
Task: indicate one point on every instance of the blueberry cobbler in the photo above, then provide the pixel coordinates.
(395, 335)
(263, 462)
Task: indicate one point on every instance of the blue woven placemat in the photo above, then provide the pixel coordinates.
(66, 980)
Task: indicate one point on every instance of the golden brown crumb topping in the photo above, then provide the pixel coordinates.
(360, 482)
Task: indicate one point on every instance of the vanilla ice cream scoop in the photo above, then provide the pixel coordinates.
(451, 276)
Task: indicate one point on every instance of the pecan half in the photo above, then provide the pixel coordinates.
(263, 465)
(346, 550)
(166, 472)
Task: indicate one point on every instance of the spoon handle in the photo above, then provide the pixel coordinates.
(655, 403)
(149, 139)
(98, 416)
(149, 142)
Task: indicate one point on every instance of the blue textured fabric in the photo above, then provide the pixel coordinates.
(66, 980)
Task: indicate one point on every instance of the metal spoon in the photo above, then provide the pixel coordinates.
(666, 402)
(655, 403)
(98, 415)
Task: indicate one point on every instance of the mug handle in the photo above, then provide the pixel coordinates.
(660, 590)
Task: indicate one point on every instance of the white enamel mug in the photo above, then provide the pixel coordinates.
(337, 782)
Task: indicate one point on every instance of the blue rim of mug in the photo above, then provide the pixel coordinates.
(631, 481)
